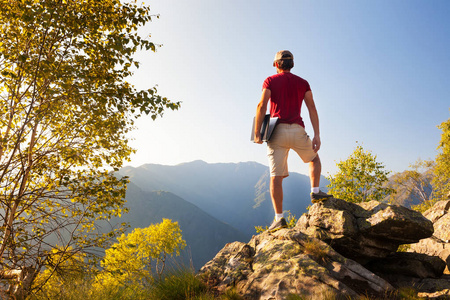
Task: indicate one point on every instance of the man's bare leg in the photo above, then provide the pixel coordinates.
(276, 193)
(315, 168)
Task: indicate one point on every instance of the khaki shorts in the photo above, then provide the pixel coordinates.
(284, 138)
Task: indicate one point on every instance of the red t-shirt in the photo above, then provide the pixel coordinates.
(287, 94)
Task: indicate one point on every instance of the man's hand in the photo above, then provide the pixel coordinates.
(258, 138)
(309, 101)
(316, 143)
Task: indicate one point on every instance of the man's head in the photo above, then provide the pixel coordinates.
(284, 60)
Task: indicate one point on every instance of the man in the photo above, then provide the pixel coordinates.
(286, 93)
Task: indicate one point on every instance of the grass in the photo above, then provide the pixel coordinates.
(180, 284)
(184, 285)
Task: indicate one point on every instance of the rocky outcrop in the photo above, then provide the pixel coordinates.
(365, 231)
(338, 249)
(274, 265)
(439, 243)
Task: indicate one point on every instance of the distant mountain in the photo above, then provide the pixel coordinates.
(235, 193)
(204, 234)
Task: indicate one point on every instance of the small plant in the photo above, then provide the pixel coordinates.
(404, 248)
(316, 248)
(260, 229)
(291, 220)
(407, 293)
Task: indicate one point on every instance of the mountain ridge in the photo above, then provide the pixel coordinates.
(235, 193)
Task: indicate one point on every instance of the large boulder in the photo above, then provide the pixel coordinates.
(365, 231)
(439, 243)
(274, 265)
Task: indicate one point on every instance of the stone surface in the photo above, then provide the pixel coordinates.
(438, 244)
(434, 288)
(364, 231)
(427, 288)
(408, 264)
(440, 216)
(274, 265)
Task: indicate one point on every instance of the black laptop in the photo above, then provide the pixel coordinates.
(267, 128)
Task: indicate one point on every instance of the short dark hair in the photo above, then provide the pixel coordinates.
(285, 64)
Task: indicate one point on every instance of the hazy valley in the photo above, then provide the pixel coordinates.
(214, 203)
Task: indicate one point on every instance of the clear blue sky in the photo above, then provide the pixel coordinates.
(379, 72)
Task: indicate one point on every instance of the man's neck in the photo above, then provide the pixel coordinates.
(283, 71)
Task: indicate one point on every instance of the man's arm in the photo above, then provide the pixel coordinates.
(260, 113)
(314, 117)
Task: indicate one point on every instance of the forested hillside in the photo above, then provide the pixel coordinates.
(204, 234)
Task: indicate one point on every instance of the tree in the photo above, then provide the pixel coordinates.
(360, 178)
(65, 110)
(413, 185)
(428, 181)
(441, 181)
(70, 271)
(129, 261)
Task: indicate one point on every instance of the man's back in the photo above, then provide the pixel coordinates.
(287, 94)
